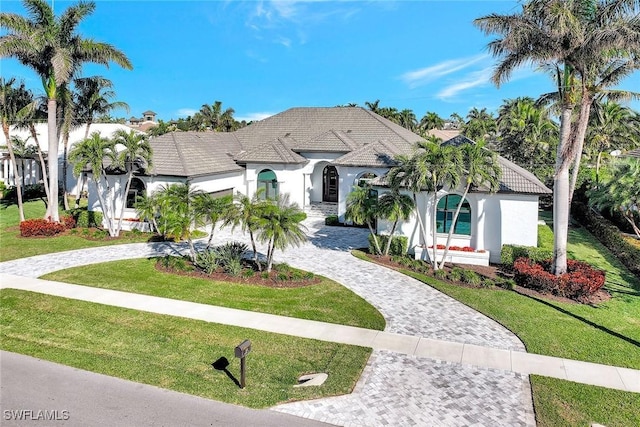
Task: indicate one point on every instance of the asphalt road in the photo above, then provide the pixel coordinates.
(35, 392)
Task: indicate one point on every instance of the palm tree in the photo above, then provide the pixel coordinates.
(279, 225)
(183, 201)
(93, 99)
(407, 119)
(14, 101)
(94, 152)
(480, 124)
(52, 47)
(27, 121)
(574, 36)
(429, 121)
(620, 191)
(246, 213)
(431, 167)
(374, 106)
(135, 153)
(481, 168)
(527, 135)
(362, 208)
(215, 209)
(394, 206)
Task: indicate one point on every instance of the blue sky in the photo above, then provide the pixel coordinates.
(263, 57)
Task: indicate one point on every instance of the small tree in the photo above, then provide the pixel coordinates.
(394, 206)
(362, 208)
(245, 212)
(215, 209)
(279, 225)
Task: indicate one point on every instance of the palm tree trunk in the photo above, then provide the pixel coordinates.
(598, 162)
(388, 245)
(124, 204)
(434, 225)
(561, 197)
(453, 225)
(65, 139)
(16, 173)
(43, 166)
(423, 231)
(583, 122)
(86, 129)
(375, 238)
(629, 218)
(52, 160)
(255, 250)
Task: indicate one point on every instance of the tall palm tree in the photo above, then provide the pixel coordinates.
(429, 121)
(571, 34)
(14, 101)
(362, 208)
(374, 106)
(480, 168)
(280, 226)
(135, 153)
(27, 121)
(93, 99)
(52, 47)
(394, 206)
(95, 152)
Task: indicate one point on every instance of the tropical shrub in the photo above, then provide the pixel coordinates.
(440, 274)
(40, 227)
(581, 280)
(510, 253)
(455, 275)
(399, 244)
(332, 220)
(85, 218)
(470, 277)
(609, 236)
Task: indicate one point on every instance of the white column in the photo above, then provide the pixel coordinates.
(477, 229)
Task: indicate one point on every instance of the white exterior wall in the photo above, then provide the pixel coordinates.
(348, 177)
(496, 219)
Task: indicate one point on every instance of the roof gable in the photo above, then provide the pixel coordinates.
(276, 151)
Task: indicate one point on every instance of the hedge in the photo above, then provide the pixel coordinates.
(85, 218)
(43, 227)
(509, 253)
(399, 244)
(609, 235)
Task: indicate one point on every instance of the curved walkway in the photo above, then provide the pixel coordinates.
(409, 380)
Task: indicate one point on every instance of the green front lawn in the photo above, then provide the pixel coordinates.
(172, 352)
(327, 301)
(12, 246)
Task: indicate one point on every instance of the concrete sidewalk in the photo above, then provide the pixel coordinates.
(465, 354)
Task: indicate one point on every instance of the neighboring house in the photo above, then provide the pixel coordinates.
(144, 123)
(317, 155)
(32, 168)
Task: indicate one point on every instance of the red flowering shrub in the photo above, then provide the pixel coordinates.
(455, 248)
(40, 227)
(68, 222)
(468, 249)
(580, 280)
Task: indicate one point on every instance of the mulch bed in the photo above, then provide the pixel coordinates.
(493, 272)
(271, 282)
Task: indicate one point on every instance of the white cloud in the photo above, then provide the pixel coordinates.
(254, 117)
(186, 112)
(473, 79)
(425, 75)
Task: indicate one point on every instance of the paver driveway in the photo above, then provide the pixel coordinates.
(395, 389)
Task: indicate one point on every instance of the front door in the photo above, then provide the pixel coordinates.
(330, 184)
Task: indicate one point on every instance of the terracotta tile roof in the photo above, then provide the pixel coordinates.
(277, 152)
(191, 154)
(444, 134)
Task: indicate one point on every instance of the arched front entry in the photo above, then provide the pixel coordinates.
(330, 184)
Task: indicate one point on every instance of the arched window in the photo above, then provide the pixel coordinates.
(364, 178)
(447, 208)
(268, 181)
(135, 190)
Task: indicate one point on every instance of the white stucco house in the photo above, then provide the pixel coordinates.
(317, 155)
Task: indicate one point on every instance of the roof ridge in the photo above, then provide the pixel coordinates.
(180, 154)
(344, 137)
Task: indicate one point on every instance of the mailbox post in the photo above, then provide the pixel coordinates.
(241, 352)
